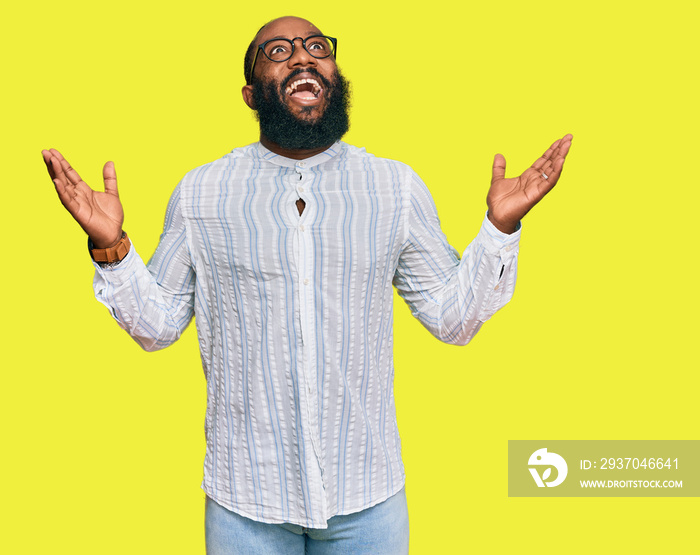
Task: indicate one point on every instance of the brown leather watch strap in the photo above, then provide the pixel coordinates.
(112, 254)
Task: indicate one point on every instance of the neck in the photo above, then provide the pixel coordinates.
(294, 154)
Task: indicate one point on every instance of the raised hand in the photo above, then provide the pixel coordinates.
(509, 199)
(99, 214)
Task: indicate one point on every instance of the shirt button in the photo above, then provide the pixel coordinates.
(301, 164)
(496, 288)
(301, 228)
(300, 189)
(509, 248)
(306, 281)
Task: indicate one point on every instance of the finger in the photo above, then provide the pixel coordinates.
(560, 156)
(546, 169)
(499, 167)
(556, 144)
(59, 177)
(560, 147)
(71, 174)
(109, 174)
(46, 155)
(542, 184)
(542, 160)
(58, 171)
(66, 196)
(565, 145)
(548, 154)
(555, 170)
(558, 168)
(56, 154)
(63, 193)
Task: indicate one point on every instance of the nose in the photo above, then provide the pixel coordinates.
(300, 57)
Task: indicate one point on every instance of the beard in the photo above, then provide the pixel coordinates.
(280, 126)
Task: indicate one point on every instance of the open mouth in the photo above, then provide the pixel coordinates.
(304, 89)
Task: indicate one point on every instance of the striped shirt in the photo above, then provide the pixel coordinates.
(294, 318)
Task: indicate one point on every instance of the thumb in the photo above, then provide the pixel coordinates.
(109, 175)
(499, 167)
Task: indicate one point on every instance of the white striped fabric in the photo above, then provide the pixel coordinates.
(294, 318)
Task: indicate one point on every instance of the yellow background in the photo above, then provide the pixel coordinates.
(102, 444)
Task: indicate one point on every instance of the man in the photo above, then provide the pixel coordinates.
(285, 251)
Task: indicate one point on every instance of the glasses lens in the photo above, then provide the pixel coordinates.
(319, 47)
(278, 50)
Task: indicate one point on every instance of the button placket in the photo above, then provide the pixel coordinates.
(298, 179)
(306, 313)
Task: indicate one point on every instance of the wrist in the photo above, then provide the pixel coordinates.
(102, 243)
(113, 253)
(503, 227)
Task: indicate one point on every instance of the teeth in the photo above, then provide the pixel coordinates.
(293, 86)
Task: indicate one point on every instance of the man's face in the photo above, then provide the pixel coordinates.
(294, 114)
(302, 65)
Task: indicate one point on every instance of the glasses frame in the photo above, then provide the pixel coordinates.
(333, 53)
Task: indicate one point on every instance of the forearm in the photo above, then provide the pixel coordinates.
(153, 314)
(454, 303)
(485, 283)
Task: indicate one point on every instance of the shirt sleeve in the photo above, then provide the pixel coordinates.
(153, 303)
(453, 297)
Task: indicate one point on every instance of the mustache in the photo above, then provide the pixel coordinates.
(310, 70)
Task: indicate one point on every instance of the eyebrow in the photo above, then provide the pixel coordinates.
(306, 37)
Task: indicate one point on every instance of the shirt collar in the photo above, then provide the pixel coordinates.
(306, 163)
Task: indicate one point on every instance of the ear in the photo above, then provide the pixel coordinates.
(247, 91)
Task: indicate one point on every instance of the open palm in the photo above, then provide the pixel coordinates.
(509, 199)
(100, 214)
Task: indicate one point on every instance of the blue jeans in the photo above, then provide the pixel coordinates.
(379, 530)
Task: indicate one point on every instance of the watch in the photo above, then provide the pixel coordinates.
(112, 254)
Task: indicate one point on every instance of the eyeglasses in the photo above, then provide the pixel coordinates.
(280, 50)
